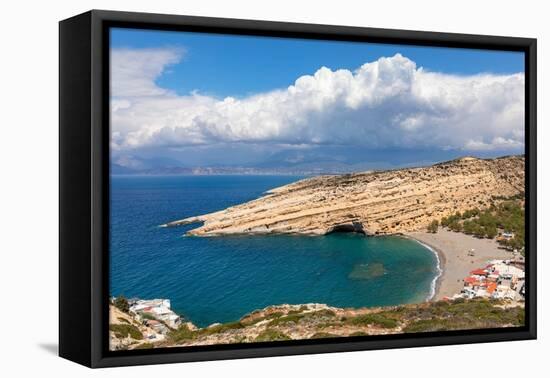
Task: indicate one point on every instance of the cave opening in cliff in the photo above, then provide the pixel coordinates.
(354, 227)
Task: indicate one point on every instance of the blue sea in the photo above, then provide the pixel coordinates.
(220, 279)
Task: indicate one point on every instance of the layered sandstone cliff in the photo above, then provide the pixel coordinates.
(384, 202)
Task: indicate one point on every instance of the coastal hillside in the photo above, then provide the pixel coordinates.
(379, 202)
(311, 321)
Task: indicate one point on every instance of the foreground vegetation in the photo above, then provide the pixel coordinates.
(287, 324)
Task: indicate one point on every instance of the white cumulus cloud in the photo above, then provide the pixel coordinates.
(133, 71)
(389, 102)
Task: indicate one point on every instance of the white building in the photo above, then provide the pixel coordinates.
(156, 308)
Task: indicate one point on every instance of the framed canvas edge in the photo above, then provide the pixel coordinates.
(99, 171)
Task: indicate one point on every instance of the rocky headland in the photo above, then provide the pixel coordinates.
(373, 203)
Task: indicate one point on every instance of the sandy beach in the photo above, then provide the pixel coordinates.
(455, 263)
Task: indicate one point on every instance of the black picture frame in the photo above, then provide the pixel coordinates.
(84, 186)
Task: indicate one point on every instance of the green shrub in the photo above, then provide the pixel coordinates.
(491, 232)
(323, 335)
(292, 318)
(183, 333)
(359, 333)
(470, 213)
(220, 328)
(428, 325)
(308, 316)
(271, 335)
(374, 319)
(463, 314)
(508, 216)
(122, 304)
(249, 321)
(322, 313)
(455, 226)
(432, 227)
(123, 330)
(144, 346)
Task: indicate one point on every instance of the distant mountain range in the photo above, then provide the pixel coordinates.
(220, 170)
(315, 161)
(278, 164)
(299, 170)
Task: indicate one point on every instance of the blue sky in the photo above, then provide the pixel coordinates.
(220, 65)
(195, 99)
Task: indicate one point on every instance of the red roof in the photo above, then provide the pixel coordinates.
(479, 272)
(492, 287)
(470, 280)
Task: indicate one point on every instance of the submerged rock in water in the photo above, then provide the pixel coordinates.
(367, 271)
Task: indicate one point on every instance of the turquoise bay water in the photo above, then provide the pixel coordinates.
(219, 279)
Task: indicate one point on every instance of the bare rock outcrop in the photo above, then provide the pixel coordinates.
(380, 202)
